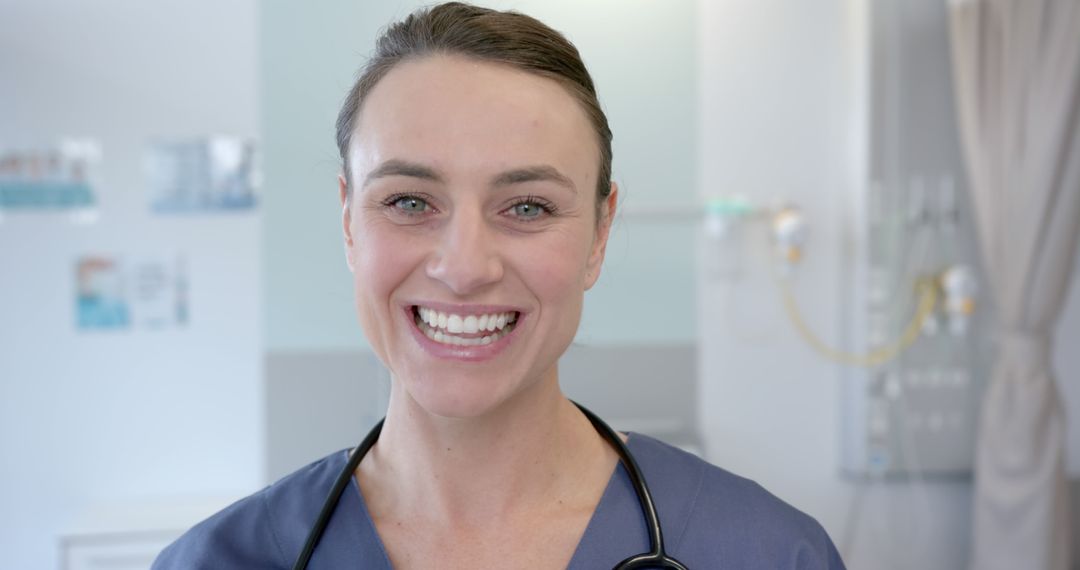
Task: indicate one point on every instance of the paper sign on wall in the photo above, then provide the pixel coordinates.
(101, 296)
(147, 293)
(201, 175)
(60, 177)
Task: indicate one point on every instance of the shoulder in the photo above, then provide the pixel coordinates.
(262, 530)
(719, 516)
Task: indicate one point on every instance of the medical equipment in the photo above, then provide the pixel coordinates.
(722, 213)
(655, 558)
(927, 300)
(960, 287)
(912, 336)
(914, 416)
(789, 236)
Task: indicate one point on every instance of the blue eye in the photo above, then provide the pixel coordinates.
(411, 204)
(528, 210)
(532, 208)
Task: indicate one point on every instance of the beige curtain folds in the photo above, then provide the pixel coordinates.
(1016, 65)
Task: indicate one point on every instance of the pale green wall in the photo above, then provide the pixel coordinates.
(643, 57)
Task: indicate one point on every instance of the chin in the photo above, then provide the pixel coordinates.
(447, 396)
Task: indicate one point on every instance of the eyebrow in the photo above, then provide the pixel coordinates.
(396, 167)
(537, 173)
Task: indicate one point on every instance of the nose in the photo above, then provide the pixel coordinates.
(467, 258)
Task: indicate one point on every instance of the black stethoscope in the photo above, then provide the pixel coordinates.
(655, 558)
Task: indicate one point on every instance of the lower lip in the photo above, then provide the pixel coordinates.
(462, 353)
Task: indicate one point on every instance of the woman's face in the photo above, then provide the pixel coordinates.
(471, 230)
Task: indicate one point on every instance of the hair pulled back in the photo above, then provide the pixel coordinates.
(509, 38)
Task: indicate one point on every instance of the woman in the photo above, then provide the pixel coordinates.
(477, 199)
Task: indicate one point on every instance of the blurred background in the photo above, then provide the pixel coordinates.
(792, 290)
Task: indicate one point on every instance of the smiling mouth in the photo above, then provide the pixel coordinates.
(463, 330)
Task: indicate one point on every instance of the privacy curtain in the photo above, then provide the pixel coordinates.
(1016, 65)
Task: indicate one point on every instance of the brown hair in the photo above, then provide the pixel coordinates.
(484, 34)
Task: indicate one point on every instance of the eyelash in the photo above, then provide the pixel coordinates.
(391, 202)
(548, 207)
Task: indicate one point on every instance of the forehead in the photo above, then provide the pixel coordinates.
(465, 116)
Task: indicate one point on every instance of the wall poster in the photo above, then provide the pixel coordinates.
(60, 177)
(147, 293)
(217, 173)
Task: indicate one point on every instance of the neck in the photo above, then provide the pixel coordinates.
(527, 453)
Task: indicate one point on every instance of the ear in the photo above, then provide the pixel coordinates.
(346, 219)
(603, 229)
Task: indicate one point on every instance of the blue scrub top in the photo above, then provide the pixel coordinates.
(710, 518)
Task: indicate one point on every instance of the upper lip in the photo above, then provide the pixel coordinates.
(465, 309)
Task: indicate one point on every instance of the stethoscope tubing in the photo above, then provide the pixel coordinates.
(316, 532)
(655, 558)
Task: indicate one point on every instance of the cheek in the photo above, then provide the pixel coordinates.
(556, 272)
(557, 276)
(377, 261)
(383, 254)
(382, 261)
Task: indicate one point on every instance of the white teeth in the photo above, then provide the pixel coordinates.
(470, 325)
(445, 328)
(454, 324)
(467, 324)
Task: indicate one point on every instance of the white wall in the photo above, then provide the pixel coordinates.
(114, 418)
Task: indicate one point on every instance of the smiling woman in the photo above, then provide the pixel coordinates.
(470, 207)
(476, 202)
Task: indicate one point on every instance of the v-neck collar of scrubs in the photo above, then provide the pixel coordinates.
(711, 519)
(615, 531)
